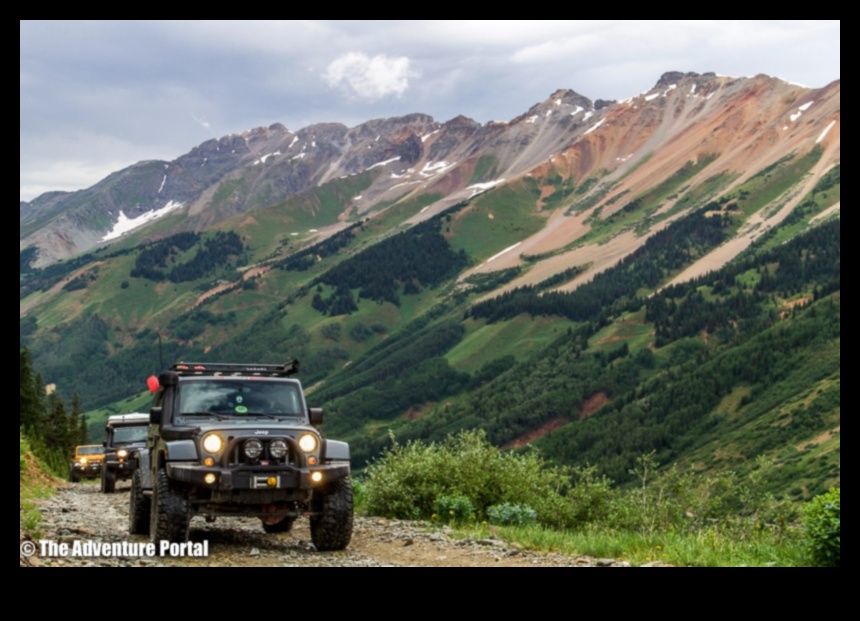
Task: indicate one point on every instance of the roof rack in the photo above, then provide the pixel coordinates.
(129, 418)
(222, 368)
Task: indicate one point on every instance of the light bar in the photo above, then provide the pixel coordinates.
(221, 368)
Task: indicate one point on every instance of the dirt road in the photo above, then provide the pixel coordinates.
(78, 519)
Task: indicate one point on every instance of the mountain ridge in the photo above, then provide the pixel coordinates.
(263, 166)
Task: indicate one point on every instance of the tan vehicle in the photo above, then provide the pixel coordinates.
(87, 463)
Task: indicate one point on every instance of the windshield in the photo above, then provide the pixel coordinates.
(239, 397)
(90, 450)
(127, 435)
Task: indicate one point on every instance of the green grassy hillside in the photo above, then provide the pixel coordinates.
(716, 372)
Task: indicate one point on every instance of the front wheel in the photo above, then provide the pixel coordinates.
(170, 515)
(332, 516)
(139, 507)
(108, 480)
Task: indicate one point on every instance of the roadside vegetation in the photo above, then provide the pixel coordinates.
(35, 483)
(671, 516)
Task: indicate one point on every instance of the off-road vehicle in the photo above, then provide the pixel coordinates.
(87, 463)
(239, 440)
(125, 434)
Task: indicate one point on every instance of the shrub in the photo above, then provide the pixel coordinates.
(23, 448)
(454, 509)
(359, 495)
(406, 480)
(509, 514)
(821, 521)
(591, 496)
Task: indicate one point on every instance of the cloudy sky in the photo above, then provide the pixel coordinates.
(97, 96)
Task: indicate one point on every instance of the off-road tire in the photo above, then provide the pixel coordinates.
(73, 478)
(170, 514)
(108, 481)
(332, 516)
(139, 507)
(283, 526)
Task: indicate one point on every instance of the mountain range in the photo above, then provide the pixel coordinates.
(434, 276)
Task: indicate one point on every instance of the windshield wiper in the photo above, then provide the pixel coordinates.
(218, 416)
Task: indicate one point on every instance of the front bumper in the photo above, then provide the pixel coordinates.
(121, 466)
(246, 477)
(90, 470)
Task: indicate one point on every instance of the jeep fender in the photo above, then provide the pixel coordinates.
(335, 450)
(143, 466)
(180, 450)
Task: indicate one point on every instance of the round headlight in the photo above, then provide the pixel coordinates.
(278, 448)
(122, 453)
(213, 443)
(253, 448)
(83, 461)
(308, 443)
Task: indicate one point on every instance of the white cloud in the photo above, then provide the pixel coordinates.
(370, 78)
(202, 122)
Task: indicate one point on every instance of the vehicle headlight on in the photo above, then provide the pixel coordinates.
(253, 448)
(83, 461)
(212, 443)
(278, 449)
(122, 453)
(308, 443)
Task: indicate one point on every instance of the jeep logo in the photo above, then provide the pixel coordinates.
(261, 432)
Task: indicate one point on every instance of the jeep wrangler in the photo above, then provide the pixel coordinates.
(238, 440)
(87, 463)
(124, 434)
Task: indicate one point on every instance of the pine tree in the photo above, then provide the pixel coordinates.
(31, 400)
(77, 422)
(56, 432)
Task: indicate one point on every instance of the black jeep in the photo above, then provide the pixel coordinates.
(239, 440)
(125, 435)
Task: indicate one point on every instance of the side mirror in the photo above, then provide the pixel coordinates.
(155, 416)
(316, 416)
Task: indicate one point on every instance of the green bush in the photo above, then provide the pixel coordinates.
(509, 514)
(821, 521)
(591, 497)
(24, 448)
(454, 509)
(406, 480)
(359, 495)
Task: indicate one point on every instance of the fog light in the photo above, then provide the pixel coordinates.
(253, 448)
(278, 449)
(316, 477)
(209, 461)
(272, 481)
(210, 478)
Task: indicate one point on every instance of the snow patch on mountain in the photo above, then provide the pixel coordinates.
(125, 225)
